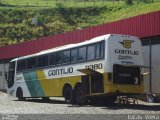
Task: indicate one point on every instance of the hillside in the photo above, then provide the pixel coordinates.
(18, 24)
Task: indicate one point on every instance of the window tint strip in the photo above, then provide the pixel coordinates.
(80, 54)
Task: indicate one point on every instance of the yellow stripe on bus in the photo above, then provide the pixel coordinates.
(47, 85)
(54, 87)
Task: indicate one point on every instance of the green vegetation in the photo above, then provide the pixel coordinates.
(53, 3)
(18, 24)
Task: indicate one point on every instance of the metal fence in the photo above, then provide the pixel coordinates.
(53, 3)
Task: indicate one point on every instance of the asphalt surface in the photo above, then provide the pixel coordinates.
(57, 109)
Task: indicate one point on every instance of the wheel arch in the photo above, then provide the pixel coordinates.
(17, 91)
(69, 85)
(64, 86)
(77, 85)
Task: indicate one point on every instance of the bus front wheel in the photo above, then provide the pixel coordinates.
(45, 99)
(80, 95)
(68, 94)
(20, 94)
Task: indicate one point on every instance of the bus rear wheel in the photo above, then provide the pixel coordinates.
(20, 94)
(80, 95)
(68, 95)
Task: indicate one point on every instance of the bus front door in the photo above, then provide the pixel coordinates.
(11, 74)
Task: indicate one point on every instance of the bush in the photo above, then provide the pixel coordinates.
(129, 2)
(16, 24)
(147, 1)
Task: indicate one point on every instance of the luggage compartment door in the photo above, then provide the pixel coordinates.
(126, 74)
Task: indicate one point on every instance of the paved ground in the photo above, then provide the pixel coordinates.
(58, 106)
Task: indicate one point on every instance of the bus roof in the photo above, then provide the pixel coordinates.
(93, 40)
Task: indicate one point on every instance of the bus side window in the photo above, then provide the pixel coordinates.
(52, 59)
(102, 50)
(66, 56)
(43, 61)
(82, 54)
(31, 63)
(74, 55)
(21, 65)
(98, 50)
(59, 58)
(91, 52)
(40, 61)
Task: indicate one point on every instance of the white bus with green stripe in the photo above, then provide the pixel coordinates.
(105, 66)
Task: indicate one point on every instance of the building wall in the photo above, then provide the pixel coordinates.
(151, 49)
(3, 69)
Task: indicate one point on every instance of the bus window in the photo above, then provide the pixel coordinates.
(102, 50)
(90, 52)
(59, 58)
(52, 59)
(11, 73)
(43, 61)
(21, 65)
(74, 55)
(66, 56)
(31, 63)
(82, 54)
(40, 61)
(98, 50)
(12, 66)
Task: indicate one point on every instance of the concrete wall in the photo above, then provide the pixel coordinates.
(154, 53)
(146, 63)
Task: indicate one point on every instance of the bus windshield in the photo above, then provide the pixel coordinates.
(11, 73)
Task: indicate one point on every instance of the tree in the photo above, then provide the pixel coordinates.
(146, 1)
(129, 2)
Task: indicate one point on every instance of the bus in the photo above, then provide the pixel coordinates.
(108, 66)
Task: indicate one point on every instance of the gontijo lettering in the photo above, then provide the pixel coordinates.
(127, 52)
(60, 71)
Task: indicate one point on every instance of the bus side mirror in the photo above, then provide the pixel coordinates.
(6, 76)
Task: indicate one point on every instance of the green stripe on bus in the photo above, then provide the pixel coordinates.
(33, 84)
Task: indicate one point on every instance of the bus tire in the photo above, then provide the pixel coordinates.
(20, 94)
(45, 99)
(80, 95)
(68, 94)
